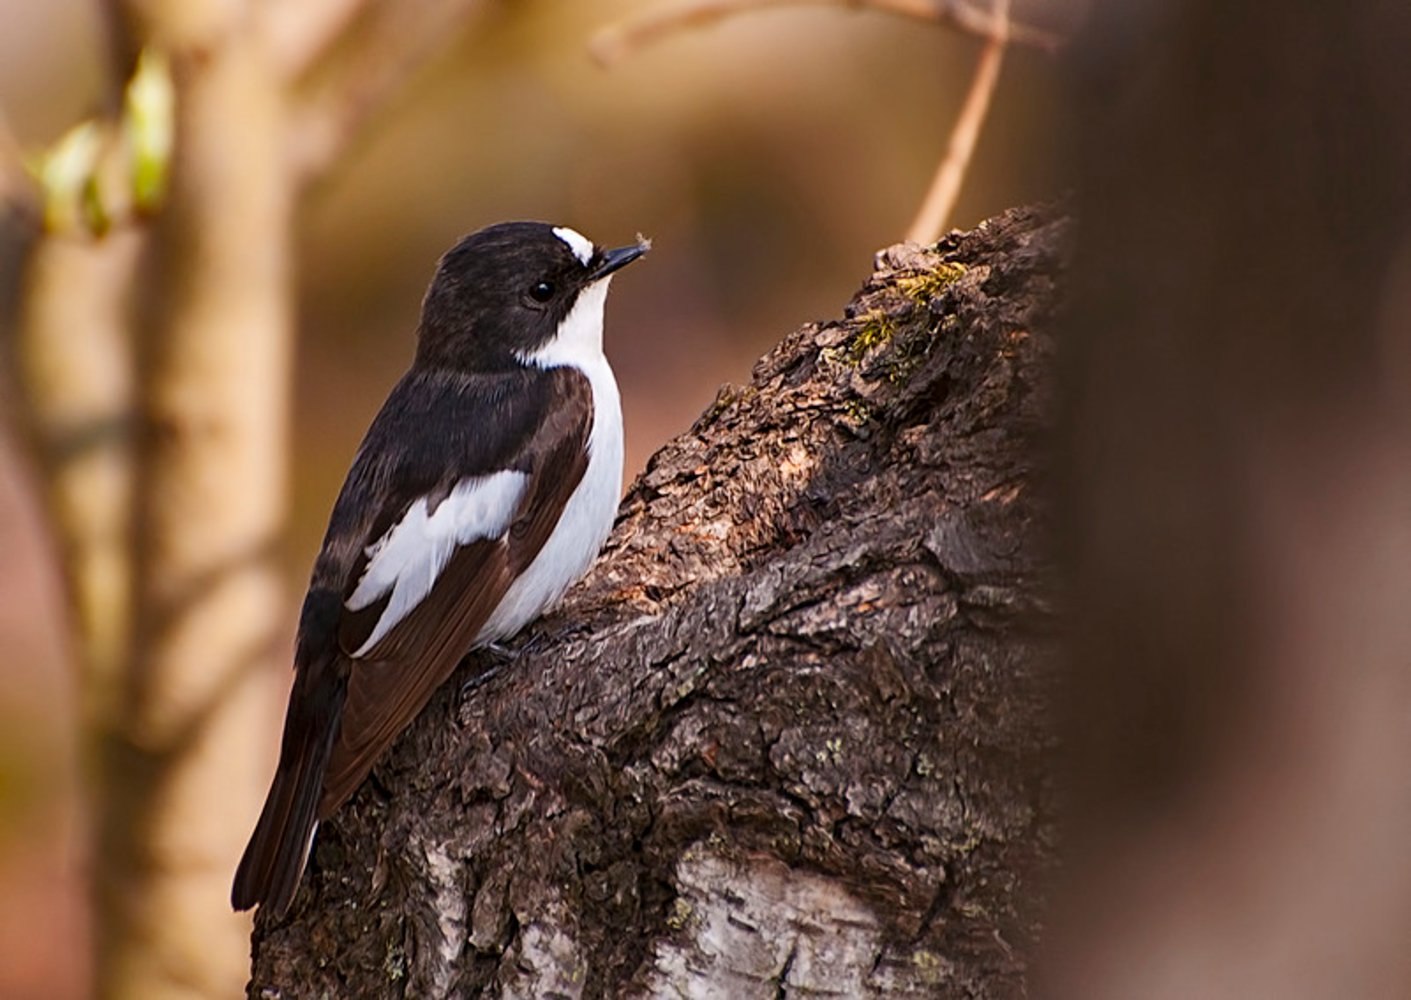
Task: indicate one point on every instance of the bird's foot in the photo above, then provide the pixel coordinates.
(505, 655)
(482, 677)
(539, 639)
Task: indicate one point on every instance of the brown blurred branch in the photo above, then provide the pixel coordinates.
(617, 41)
(17, 189)
(120, 48)
(936, 209)
(370, 64)
(74, 366)
(302, 34)
(72, 355)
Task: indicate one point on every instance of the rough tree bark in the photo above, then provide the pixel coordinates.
(786, 737)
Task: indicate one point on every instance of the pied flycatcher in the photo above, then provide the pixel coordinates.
(485, 486)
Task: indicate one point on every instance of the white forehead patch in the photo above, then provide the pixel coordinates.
(581, 246)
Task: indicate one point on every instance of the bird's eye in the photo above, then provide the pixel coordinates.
(542, 292)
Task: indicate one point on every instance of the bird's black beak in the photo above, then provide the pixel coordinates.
(613, 260)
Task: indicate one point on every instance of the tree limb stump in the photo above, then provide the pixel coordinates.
(786, 739)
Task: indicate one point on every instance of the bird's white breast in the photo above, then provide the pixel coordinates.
(587, 518)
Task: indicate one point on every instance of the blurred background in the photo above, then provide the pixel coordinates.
(767, 157)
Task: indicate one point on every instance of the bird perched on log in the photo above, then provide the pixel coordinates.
(484, 488)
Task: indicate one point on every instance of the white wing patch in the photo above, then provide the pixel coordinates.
(581, 246)
(408, 559)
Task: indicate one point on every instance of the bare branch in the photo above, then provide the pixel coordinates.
(936, 209)
(363, 74)
(17, 188)
(300, 35)
(121, 48)
(74, 376)
(617, 41)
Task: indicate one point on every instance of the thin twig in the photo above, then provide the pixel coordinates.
(17, 189)
(120, 49)
(300, 35)
(935, 212)
(617, 41)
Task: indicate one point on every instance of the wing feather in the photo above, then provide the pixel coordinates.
(393, 675)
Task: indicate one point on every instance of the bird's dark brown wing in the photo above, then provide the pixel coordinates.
(391, 682)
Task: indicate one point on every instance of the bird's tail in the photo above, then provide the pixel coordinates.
(274, 859)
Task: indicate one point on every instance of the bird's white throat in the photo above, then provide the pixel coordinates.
(578, 342)
(587, 518)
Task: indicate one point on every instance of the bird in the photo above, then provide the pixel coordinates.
(485, 486)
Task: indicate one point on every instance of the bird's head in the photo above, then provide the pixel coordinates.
(519, 292)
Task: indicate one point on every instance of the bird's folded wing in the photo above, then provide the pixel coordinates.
(422, 590)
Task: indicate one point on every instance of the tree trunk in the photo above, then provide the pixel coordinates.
(786, 737)
(1237, 504)
(213, 372)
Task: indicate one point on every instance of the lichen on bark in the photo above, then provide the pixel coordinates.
(787, 738)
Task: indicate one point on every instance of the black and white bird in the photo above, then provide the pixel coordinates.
(485, 486)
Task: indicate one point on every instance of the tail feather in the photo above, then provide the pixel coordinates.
(274, 860)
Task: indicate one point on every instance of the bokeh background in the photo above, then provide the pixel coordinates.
(768, 157)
